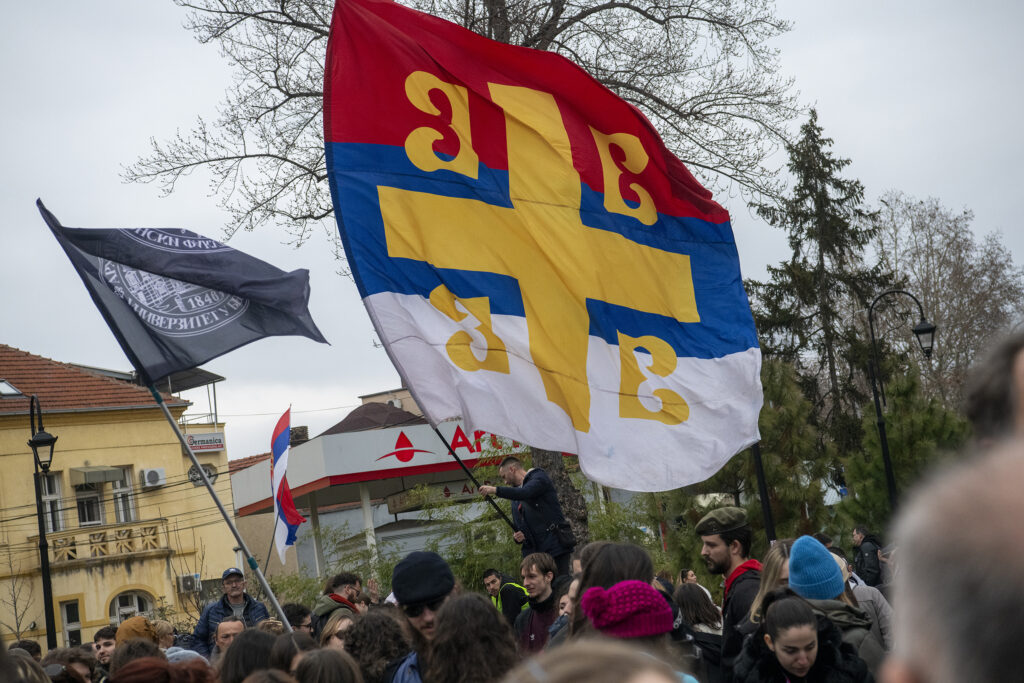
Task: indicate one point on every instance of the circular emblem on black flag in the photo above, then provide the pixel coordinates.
(171, 307)
(175, 240)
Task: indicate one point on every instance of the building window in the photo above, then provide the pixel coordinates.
(124, 503)
(49, 484)
(127, 605)
(72, 623)
(90, 506)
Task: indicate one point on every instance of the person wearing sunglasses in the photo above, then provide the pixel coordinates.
(421, 582)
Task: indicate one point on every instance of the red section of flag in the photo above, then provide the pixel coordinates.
(368, 104)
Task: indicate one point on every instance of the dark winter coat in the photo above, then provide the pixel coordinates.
(536, 512)
(836, 662)
(533, 623)
(510, 600)
(216, 612)
(866, 562)
(855, 626)
(735, 609)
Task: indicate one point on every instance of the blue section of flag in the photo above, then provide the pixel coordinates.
(726, 325)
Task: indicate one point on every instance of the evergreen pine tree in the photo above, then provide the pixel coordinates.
(920, 433)
(794, 474)
(805, 311)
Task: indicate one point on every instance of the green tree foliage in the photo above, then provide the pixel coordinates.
(794, 473)
(921, 433)
(803, 310)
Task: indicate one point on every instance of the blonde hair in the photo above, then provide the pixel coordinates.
(775, 559)
(332, 623)
(162, 628)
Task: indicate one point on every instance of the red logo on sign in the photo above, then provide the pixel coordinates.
(403, 449)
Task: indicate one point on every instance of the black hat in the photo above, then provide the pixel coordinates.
(231, 571)
(421, 577)
(720, 521)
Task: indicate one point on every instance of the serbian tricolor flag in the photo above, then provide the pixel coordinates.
(287, 518)
(535, 260)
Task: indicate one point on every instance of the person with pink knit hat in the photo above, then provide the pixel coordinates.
(633, 611)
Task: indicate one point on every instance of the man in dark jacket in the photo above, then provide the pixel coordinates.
(234, 602)
(536, 513)
(532, 624)
(726, 538)
(866, 562)
(507, 596)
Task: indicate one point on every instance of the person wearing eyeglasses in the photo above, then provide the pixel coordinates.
(235, 602)
(299, 616)
(421, 582)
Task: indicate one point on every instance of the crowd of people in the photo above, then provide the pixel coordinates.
(610, 609)
(602, 613)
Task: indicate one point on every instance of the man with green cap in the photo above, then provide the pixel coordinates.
(726, 536)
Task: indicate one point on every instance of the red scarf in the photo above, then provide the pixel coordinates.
(742, 569)
(342, 601)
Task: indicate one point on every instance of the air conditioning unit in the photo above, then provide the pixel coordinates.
(395, 403)
(151, 478)
(190, 583)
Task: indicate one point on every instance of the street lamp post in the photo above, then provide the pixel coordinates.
(42, 451)
(925, 333)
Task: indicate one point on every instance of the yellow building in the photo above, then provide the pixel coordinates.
(129, 530)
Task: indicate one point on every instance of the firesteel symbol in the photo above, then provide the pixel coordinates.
(403, 449)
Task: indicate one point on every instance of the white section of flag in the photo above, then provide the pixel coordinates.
(724, 395)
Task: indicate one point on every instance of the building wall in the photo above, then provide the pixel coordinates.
(175, 530)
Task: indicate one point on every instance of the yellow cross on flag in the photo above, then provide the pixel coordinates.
(535, 260)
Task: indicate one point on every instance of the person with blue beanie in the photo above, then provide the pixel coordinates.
(815, 576)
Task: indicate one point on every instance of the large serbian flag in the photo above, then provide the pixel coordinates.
(534, 259)
(286, 518)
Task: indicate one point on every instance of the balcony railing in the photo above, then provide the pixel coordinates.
(112, 542)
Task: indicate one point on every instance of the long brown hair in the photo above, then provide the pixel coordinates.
(695, 607)
(472, 643)
(612, 563)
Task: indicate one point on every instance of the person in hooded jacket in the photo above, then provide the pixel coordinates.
(792, 644)
(815, 576)
(340, 593)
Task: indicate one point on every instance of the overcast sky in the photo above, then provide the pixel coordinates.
(923, 96)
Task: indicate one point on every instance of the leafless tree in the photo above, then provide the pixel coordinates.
(17, 599)
(703, 71)
(969, 287)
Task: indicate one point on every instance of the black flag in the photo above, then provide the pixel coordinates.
(175, 299)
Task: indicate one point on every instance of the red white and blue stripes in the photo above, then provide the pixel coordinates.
(287, 518)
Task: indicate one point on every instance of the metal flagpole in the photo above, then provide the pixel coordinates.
(490, 500)
(762, 489)
(254, 565)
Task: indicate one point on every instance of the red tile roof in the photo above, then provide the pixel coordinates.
(65, 388)
(239, 464)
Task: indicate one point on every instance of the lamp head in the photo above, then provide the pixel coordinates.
(925, 333)
(42, 448)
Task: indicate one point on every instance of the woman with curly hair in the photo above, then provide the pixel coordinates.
(472, 643)
(373, 641)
